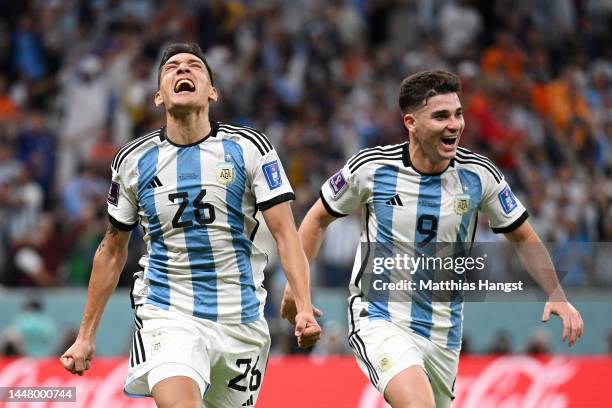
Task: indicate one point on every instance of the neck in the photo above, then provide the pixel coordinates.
(422, 163)
(184, 129)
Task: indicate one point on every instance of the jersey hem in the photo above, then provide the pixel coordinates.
(517, 223)
(328, 207)
(247, 319)
(265, 205)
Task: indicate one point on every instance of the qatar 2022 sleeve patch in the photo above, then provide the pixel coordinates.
(272, 173)
(507, 200)
(338, 184)
(113, 194)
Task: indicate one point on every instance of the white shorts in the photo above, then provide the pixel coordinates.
(383, 349)
(227, 361)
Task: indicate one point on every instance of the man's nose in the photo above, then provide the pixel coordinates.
(454, 123)
(183, 67)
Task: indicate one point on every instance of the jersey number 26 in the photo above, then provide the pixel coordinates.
(204, 212)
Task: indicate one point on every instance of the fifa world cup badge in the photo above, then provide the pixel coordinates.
(225, 173)
(462, 204)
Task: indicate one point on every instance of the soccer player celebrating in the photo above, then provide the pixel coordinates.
(195, 186)
(425, 190)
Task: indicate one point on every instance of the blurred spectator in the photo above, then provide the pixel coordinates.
(39, 259)
(28, 54)
(23, 205)
(459, 23)
(501, 343)
(539, 343)
(8, 108)
(36, 146)
(85, 99)
(504, 57)
(10, 344)
(34, 332)
(86, 189)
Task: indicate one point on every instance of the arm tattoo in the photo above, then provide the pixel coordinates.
(110, 231)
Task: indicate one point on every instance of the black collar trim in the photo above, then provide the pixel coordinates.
(214, 127)
(408, 163)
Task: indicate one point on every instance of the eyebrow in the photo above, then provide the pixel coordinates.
(189, 61)
(440, 112)
(446, 111)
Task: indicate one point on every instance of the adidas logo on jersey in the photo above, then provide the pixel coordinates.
(155, 183)
(395, 201)
(249, 402)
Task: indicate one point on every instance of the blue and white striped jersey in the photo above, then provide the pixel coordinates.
(401, 205)
(197, 205)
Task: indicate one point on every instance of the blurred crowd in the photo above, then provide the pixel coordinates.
(320, 78)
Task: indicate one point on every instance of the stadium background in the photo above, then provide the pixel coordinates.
(320, 79)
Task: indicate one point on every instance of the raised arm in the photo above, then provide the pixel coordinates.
(312, 229)
(108, 263)
(280, 222)
(311, 235)
(536, 259)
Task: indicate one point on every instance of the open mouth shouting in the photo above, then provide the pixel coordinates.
(184, 85)
(449, 143)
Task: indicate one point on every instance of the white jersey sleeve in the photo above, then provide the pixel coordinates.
(122, 202)
(270, 183)
(505, 212)
(341, 193)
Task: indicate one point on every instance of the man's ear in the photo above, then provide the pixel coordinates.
(213, 95)
(410, 122)
(158, 99)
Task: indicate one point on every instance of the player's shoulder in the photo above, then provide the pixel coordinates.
(135, 147)
(378, 155)
(252, 138)
(478, 163)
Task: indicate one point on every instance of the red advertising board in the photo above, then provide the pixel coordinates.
(507, 382)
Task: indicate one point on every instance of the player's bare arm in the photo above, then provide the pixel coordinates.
(311, 233)
(536, 259)
(280, 222)
(108, 263)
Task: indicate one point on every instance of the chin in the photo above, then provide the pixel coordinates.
(447, 155)
(184, 107)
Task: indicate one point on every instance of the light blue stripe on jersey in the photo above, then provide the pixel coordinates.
(157, 271)
(199, 250)
(470, 182)
(428, 203)
(384, 189)
(243, 247)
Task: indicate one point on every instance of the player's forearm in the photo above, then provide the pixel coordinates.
(296, 269)
(537, 261)
(312, 230)
(311, 234)
(107, 266)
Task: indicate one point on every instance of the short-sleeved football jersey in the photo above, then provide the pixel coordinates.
(197, 205)
(401, 205)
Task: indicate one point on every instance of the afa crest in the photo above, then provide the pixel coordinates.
(225, 173)
(462, 204)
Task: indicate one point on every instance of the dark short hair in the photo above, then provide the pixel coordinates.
(179, 48)
(416, 89)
